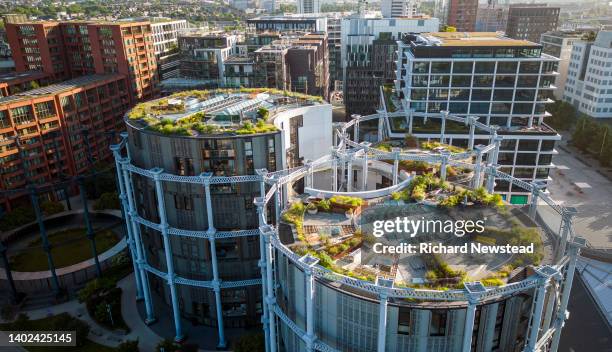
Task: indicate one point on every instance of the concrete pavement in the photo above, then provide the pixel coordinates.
(579, 185)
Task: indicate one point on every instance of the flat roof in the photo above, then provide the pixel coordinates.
(21, 76)
(475, 39)
(59, 87)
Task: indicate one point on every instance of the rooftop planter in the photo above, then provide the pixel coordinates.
(155, 115)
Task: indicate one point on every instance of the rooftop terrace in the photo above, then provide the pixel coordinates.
(223, 111)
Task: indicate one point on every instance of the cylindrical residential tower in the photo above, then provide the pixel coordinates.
(189, 180)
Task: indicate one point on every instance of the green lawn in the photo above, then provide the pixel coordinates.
(68, 247)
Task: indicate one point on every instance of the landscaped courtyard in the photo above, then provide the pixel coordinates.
(68, 247)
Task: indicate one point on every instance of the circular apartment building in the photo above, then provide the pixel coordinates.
(190, 168)
(239, 212)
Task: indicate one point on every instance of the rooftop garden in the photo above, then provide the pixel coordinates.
(171, 116)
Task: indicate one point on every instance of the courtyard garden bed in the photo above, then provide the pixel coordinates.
(68, 247)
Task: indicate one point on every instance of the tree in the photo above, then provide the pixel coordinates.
(251, 343)
(589, 36)
(128, 346)
(563, 115)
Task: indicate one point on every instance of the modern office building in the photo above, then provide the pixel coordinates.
(368, 56)
(399, 8)
(297, 63)
(288, 23)
(334, 42)
(559, 44)
(308, 6)
(308, 61)
(65, 50)
(589, 85)
(502, 81)
(13, 83)
(530, 21)
(165, 41)
(461, 14)
(216, 277)
(50, 131)
(491, 17)
(203, 54)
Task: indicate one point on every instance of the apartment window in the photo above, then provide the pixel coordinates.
(22, 115)
(420, 67)
(462, 81)
(504, 81)
(182, 202)
(484, 67)
(483, 81)
(529, 67)
(440, 67)
(479, 108)
(481, 94)
(437, 326)
(45, 109)
(403, 321)
(184, 166)
(4, 120)
(462, 67)
(506, 67)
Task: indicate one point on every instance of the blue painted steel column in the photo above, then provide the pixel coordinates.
(161, 208)
(349, 175)
(444, 164)
(444, 116)
(536, 319)
(396, 152)
(91, 235)
(271, 300)
(562, 312)
(477, 168)
(124, 206)
(44, 238)
(472, 122)
(261, 216)
(213, 258)
(468, 329)
(150, 317)
(382, 323)
(533, 206)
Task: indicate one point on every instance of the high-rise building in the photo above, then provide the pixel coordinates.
(461, 14)
(368, 55)
(165, 41)
(491, 17)
(588, 86)
(57, 130)
(288, 23)
(398, 8)
(65, 50)
(14, 82)
(334, 40)
(202, 55)
(293, 62)
(308, 61)
(308, 6)
(502, 81)
(530, 21)
(559, 44)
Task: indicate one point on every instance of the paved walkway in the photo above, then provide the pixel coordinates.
(147, 339)
(581, 186)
